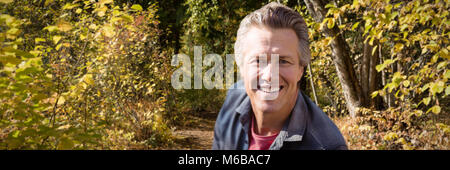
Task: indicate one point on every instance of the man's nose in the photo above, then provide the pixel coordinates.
(266, 71)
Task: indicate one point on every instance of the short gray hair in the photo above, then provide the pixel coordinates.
(275, 15)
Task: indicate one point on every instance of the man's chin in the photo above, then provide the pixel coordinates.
(268, 106)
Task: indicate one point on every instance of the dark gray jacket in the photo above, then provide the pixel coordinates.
(306, 128)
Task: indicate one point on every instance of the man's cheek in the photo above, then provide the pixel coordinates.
(251, 77)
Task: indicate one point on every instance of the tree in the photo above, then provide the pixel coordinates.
(341, 57)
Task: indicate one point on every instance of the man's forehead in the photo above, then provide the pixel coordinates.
(265, 40)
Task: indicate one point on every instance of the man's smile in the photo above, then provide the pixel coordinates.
(266, 88)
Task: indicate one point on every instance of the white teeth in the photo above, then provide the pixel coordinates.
(269, 90)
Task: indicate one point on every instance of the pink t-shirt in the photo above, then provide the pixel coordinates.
(258, 142)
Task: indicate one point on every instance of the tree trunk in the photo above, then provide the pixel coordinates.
(341, 58)
(375, 77)
(312, 84)
(365, 72)
(370, 78)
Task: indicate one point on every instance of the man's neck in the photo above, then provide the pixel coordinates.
(267, 124)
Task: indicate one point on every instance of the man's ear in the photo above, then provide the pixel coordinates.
(302, 72)
(302, 83)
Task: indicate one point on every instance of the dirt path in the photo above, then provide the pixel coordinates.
(197, 133)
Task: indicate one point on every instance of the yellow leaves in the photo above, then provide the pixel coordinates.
(108, 31)
(62, 45)
(64, 127)
(406, 145)
(101, 11)
(38, 40)
(6, 1)
(127, 18)
(64, 26)
(88, 79)
(13, 25)
(365, 128)
(436, 87)
(355, 26)
(15, 134)
(48, 2)
(69, 6)
(390, 136)
(93, 26)
(51, 28)
(103, 2)
(137, 7)
(355, 4)
(397, 78)
(56, 39)
(121, 17)
(330, 22)
(444, 53)
(9, 20)
(8, 57)
(61, 100)
(374, 94)
(398, 47)
(71, 68)
(12, 33)
(432, 46)
(82, 85)
(436, 109)
(161, 109)
(445, 128)
(78, 11)
(406, 83)
(401, 141)
(385, 64)
(417, 113)
(327, 41)
(83, 36)
(65, 143)
(150, 89)
(426, 100)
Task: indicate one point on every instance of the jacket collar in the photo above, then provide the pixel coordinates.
(293, 129)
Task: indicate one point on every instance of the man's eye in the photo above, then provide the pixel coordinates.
(284, 61)
(256, 61)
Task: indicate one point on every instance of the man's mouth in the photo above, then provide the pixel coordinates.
(268, 89)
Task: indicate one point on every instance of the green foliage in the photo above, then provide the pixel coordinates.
(418, 29)
(412, 39)
(24, 84)
(89, 81)
(212, 25)
(89, 74)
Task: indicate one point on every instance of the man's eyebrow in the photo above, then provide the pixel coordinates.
(285, 57)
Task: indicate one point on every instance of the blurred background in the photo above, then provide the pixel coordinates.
(95, 74)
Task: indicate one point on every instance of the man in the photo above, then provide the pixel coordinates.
(266, 110)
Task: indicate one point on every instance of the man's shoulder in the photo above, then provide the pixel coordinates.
(228, 128)
(322, 128)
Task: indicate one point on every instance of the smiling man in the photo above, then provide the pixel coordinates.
(267, 110)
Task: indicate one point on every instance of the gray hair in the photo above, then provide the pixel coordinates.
(275, 15)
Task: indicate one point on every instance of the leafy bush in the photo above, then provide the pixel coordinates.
(89, 82)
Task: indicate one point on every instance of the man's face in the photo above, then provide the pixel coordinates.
(262, 41)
